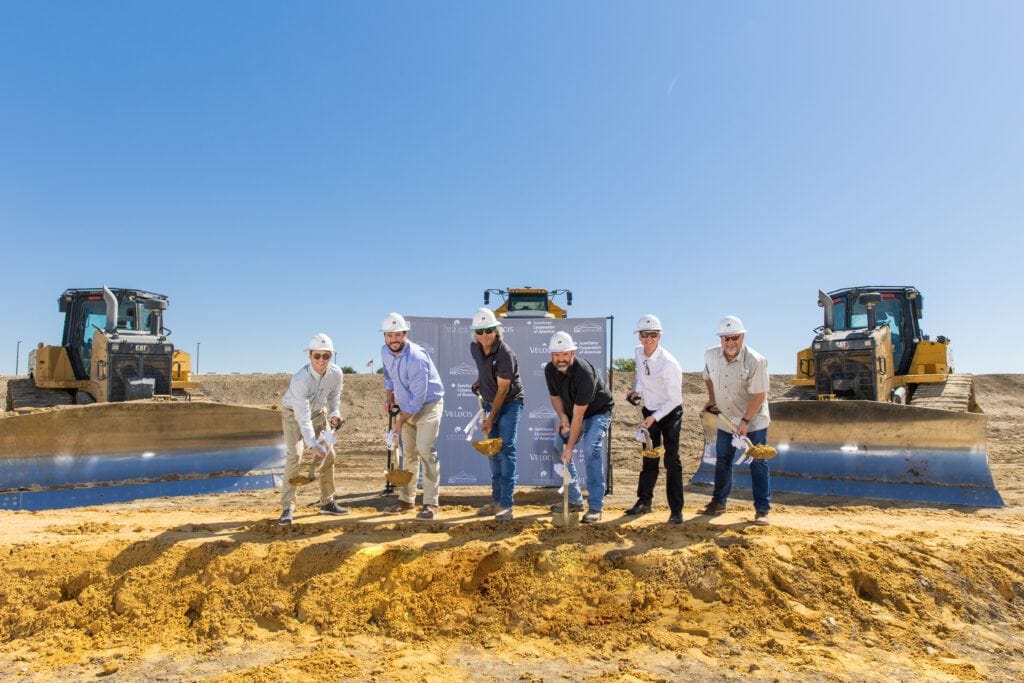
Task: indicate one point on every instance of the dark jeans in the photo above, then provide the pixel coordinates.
(664, 430)
(504, 472)
(760, 480)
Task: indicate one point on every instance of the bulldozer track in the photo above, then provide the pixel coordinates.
(23, 394)
(956, 394)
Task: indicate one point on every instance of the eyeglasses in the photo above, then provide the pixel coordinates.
(731, 337)
(647, 368)
(649, 335)
(320, 356)
(486, 330)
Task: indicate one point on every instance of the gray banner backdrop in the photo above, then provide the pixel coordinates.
(447, 341)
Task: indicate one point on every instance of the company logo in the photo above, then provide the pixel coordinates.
(587, 327)
(590, 348)
(537, 350)
(543, 328)
(543, 411)
(459, 412)
(463, 390)
(462, 478)
(462, 369)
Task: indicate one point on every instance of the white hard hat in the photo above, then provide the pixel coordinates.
(320, 342)
(484, 318)
(730, 325)
(647, 323)
(394, 322)
(561, 341)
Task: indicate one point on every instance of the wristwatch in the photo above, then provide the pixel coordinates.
(743, 419)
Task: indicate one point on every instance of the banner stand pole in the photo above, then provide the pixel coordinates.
(611, 381)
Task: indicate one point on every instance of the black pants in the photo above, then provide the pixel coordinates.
(666, 429)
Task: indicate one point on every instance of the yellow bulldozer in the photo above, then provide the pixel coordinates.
(113, 403)
(876, 410)
(114, 348)
(528, 302)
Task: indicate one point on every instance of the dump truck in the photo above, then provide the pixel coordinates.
(876, 410)
(115, 403)
(528, 302)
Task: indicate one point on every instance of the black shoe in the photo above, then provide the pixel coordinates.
(573, 507)
(675, 518)
(639, 509)
(333, 508)
(713, 508)
(286, 516)
(592, 517)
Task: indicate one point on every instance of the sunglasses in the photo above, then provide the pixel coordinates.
(647, 368)
(486, 330)
(649, 335)
(731, 337)
(320, 356)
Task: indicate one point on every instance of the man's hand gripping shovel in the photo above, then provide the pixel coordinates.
(564, 519)
(324, 443)
(642, 436)
(400, 476)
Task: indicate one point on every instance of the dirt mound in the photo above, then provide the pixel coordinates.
(751, 599)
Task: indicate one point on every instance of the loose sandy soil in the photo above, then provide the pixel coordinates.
(210, 588)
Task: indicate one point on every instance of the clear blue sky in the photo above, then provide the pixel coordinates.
(283, 168)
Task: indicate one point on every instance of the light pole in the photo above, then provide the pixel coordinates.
(17, 358)
(197, 357)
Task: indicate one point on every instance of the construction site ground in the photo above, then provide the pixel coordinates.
(210, 588)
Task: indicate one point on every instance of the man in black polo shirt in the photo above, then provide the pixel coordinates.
(501, 388)
(584, 408)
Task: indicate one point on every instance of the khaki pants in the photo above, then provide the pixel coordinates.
(294, 464)
(419, 435)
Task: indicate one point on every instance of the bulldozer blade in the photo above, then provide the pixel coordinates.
(868, 449)
(100, 453)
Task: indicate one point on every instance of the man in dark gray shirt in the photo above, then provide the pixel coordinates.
(501, 389)
(584, 407)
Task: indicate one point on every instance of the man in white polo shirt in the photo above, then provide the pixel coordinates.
(659, 381)
(737, 380)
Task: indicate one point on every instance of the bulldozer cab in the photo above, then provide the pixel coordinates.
(85, 312)
(528, 302)
(899, 308)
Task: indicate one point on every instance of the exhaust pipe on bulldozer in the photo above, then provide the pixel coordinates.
(868, 449)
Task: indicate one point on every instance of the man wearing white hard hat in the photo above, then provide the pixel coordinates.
(659, 382)
(312, 401)
(737, 380)
(413, 384)
(501, 388)
(584, 407)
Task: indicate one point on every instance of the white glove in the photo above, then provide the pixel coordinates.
(741, 443)
(470, 428)
(558, 473)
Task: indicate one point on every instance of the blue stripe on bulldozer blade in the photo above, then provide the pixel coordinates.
(867, 449)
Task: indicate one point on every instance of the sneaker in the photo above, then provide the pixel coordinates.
(713, 509)
(488, 510)
(504, 515)
(592, 517)
(332, 508)
(573, 507)
(761, 519)
(428, 513)
(639, 509)
(675, 518)
(286, 516)
(399, 507)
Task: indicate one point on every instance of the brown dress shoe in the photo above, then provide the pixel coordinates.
(713, 509)
(399, 507)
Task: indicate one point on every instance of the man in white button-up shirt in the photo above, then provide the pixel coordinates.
(659, 381)
(737, 380)
(312, 392)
